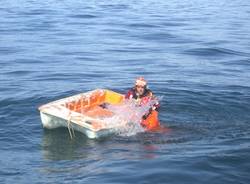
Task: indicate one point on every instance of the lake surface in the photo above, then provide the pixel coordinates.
(195, 54)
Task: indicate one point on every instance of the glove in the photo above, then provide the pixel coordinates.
(144, 117)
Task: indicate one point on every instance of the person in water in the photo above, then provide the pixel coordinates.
(141, 93)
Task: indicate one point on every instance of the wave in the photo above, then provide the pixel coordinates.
(214, 52)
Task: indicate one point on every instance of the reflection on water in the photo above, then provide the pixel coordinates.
(57, 145)
(87, 158)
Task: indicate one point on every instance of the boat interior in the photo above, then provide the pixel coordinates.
(93, 105)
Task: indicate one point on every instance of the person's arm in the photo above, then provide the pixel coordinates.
(156, 106)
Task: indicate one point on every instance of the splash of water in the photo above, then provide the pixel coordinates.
(127, 117)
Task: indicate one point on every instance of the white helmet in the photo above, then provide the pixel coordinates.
(140, 81)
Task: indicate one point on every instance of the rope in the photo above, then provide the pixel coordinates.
(70, 127)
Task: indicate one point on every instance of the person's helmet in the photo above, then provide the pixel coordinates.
(140, 81)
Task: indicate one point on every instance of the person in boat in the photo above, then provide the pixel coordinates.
(142, 94)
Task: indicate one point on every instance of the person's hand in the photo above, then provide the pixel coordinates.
(144, 117)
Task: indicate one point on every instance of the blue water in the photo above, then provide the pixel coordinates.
(196, 54)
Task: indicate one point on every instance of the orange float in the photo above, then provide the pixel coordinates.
(152, 121)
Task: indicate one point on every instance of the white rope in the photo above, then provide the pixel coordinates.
(69, 125)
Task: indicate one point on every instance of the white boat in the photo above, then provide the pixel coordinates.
(81, 112)
(86, 113)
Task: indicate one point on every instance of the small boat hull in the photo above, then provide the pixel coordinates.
(52, 122)
(85, 113)
(80, 113)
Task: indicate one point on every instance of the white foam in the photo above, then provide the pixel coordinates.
(127, 117)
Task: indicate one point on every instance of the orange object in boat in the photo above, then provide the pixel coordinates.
(152, 121)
